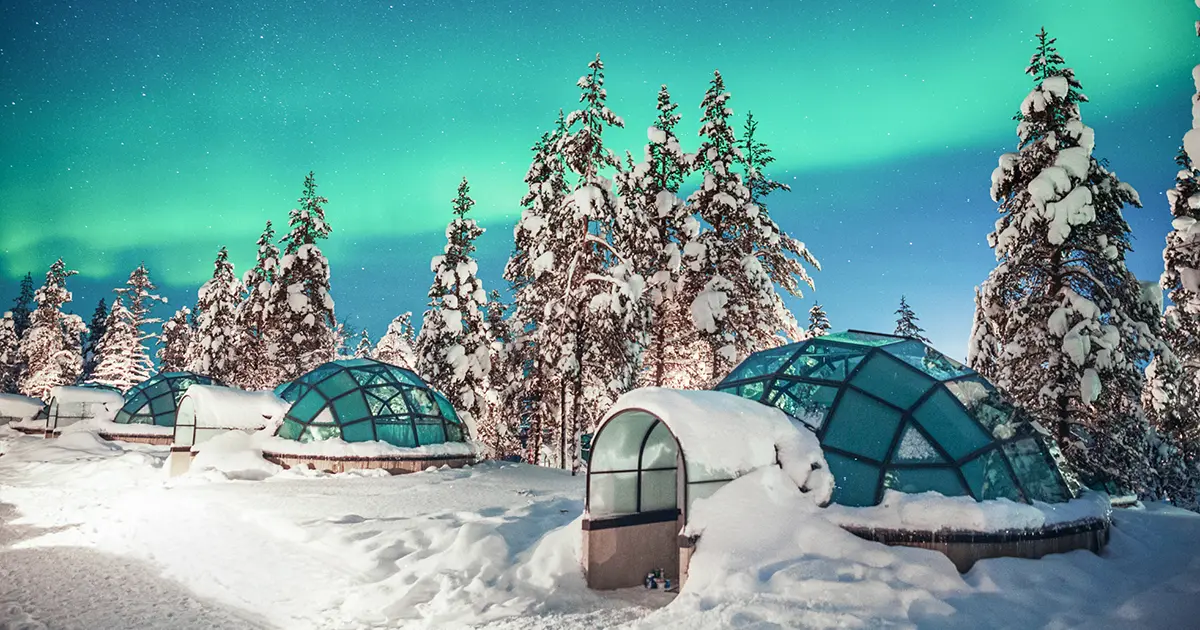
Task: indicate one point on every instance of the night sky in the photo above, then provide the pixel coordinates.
(159, 131)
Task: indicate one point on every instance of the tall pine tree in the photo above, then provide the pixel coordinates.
(363, 349)
(906, 322)
(214, 343)
(258, 366)
(534, 285)
(91, 346)
(505, 380)
(51, 348)
(23, 305)
(299, 319)
(454, 347)
(10, 354)
(139, 296)
(818, 322)
(1062, 322)
(175, 341)
(118, 353)
(654, 227)
(782, 257)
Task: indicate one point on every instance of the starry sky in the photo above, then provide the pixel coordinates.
(161, 130)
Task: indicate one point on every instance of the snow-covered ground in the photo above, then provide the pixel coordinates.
(94, 535)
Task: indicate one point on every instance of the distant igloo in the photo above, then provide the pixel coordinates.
(148, 415)
(362, 413)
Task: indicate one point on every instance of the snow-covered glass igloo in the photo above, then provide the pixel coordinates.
(362, 413)
(893, 413)
(148, 414)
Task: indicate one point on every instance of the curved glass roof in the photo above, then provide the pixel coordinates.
(154, 400)
(893, 413)
(360, 400)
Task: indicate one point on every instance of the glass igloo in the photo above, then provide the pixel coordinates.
(360, 400)
(154, 400)
(893, 413)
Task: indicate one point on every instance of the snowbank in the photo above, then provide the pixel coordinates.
(722, 435)
(767, 558)
(19, 408)
(930, 511)
(336, 447)
(234, 455)
(108, 427)
(213, 406)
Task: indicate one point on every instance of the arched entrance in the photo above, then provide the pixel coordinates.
(636, 485)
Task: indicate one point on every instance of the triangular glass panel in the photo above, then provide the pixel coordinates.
(914, 448)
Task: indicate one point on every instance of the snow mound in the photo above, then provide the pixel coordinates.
(787, 566)
(22, 408)
(336, 447)
(232, 455)
(931, 511)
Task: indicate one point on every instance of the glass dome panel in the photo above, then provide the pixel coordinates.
(915, 448)
(891, 380)
(862, 425)
(855, 482)
(950, 425)
(989, 478)
(861, 338)
(928, 360)
(762, 363)
(1035, 471)
(914, 480)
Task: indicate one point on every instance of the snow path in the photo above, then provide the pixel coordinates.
(33, 597)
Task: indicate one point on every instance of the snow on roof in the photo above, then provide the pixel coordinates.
(336, 447)
(21, 407)
(68, 394)
(721, 435)
(213, 406)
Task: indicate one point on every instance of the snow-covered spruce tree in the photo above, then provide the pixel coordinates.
(117, 351)
(818, 321)
(23, 305)
(258, 362)
(653, 227)
(10, 354)
(534, 284)
(91, 344)
(175, 340)
(364, 349)
(781, 256)
(454, 347)
(600, 316)
(906, 322)
(733, 299)
(1173, 392)
(299, 319)
(214, 342)
(51, 348)
(139, 296)
(398, 345)
(1066, 322)
(505, 380)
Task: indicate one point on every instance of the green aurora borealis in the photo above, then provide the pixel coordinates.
(160, 131)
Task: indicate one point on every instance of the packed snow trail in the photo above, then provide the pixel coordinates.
(71, 588)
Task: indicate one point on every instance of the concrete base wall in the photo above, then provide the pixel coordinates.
(965, 553)
(179, 462)
(620, 557)
(393, 466)
(157, 440)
